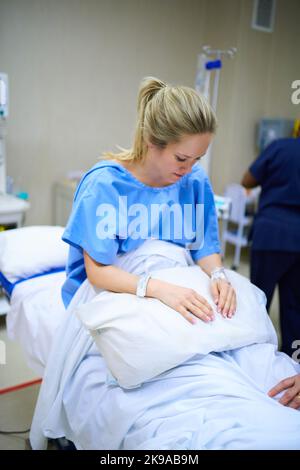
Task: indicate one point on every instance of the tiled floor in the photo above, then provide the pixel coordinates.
(15, 371)
(16, 408)
(16, 415)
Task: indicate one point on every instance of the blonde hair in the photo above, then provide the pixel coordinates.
(165, 114)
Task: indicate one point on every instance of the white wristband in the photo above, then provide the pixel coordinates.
(142, 285)
(219, 273)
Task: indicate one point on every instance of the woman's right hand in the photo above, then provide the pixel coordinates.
(185, 301)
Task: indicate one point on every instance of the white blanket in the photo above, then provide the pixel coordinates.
(218, 401)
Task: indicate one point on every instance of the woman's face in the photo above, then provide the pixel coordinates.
(177, 159)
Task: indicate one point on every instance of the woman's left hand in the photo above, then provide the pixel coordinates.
(224, 297)
(291, 397)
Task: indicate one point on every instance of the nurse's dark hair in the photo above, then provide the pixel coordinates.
(166, 113)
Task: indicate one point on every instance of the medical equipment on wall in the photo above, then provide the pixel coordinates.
(3, 95)
(3, 116)
(272, 129)
(11, 207)
(209, 61)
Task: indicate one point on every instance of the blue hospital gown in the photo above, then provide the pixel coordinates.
(112, 215)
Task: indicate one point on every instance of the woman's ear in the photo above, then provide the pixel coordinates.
(149, 144)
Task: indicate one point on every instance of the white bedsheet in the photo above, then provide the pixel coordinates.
(216, 402)
(36, 311)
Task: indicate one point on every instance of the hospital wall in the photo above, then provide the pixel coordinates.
(75, 67)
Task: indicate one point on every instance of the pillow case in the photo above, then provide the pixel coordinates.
(29, 251)
(140, 338)
(152, 255)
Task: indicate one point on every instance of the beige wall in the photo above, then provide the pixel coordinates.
(75, 66)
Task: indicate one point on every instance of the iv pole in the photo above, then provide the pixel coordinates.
(208, 61)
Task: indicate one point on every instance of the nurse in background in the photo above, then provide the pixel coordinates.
(275, 251)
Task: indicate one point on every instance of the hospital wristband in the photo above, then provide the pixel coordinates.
(142, 285)
(219, 273)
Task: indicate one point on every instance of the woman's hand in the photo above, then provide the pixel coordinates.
(224, 297)
(222, 291)
(185, 301)
(291, 397)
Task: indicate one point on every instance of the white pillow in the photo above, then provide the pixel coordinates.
(28, 251)
(140, 338)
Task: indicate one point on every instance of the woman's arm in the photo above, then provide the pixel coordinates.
(185, 301)
(208, 263)
(109, 277)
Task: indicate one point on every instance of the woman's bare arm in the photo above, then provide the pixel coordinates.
(114, 279)
(109, 277)
(210, 262)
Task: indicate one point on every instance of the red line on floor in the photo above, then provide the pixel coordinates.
(20, 386)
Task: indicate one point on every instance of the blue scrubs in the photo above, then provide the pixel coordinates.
(275, 253)
(110, 209)
(277, 171)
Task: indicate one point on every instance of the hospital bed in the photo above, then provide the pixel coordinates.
(36, 312)
(216, 402)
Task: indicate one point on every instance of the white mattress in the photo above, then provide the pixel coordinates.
(36, 311)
